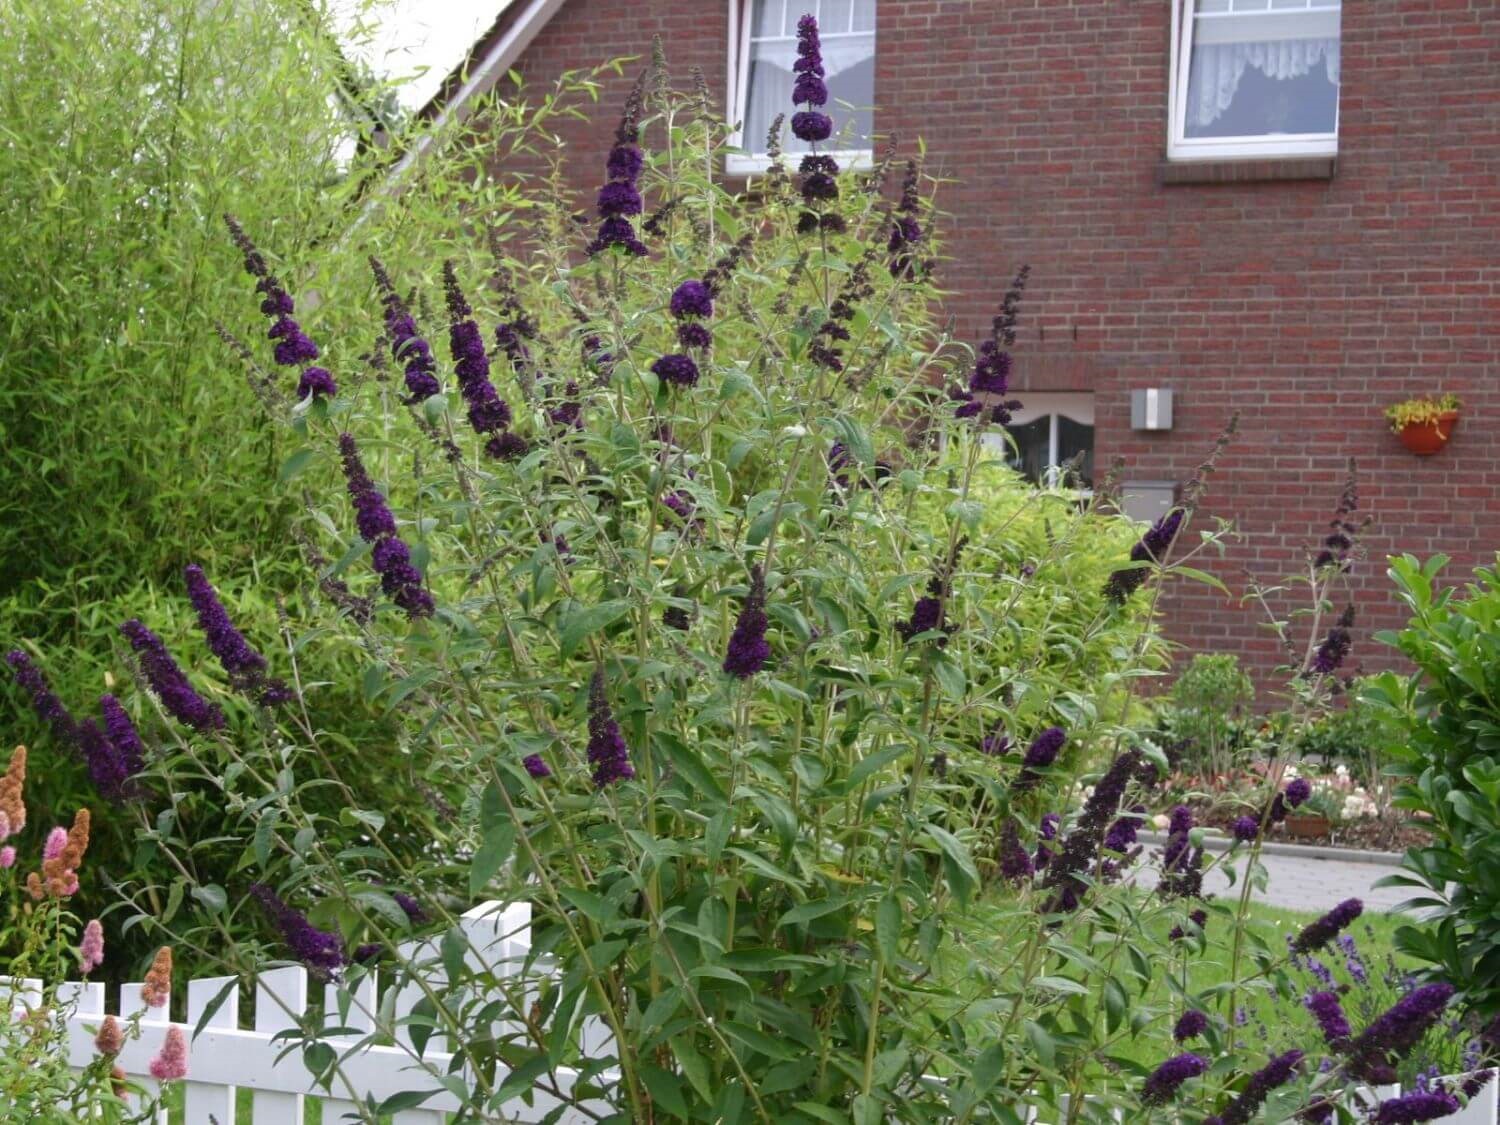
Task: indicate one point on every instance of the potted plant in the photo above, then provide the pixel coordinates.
(1314, 818)
(1424, 424)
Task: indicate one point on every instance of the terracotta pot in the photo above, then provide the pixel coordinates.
(1307, 826)
(1426, 438)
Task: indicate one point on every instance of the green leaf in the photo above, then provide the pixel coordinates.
(694, 1066)
(957, 861)
(665, 1089)
(295, 464)
(888, 928)
(211, 896)
(584, 623)
(495, 849)
(212, 1007)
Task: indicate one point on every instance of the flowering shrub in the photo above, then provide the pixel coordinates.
(699, 633)
(53, 946)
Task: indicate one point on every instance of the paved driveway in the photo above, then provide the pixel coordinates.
(1302, 882)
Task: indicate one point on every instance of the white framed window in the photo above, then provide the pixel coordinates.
(1049, 430)
(762, 48)
(1253, 78)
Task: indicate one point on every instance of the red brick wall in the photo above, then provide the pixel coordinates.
(1306, 306)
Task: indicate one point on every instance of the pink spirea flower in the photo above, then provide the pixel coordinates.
(91, 948)
(5, 829)
(7, 857)
(57, 840)
(171, 1062)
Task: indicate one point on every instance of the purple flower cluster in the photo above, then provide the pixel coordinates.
(1335, 647)
(607, 751)
(1040, 755)
(819, 186)
(929, 614)
(620, 197)
(44, 700)
(319, 950)
(536, 766)
(168, 681)
(489, 414)
(989, 382)
(108, 772)
(1198, 918)
(1419, 1105)
(1329, 1013)
(1342, 530)
(1298, 791)
(1191, 1024)
(1321, 931)
(245, 666)
(996, 744)
(748, 649)
(676, 370)
(293, 346)
(1276, 1073)
(391, 557)
(1152, 547)
(1046, 833)
(1181, 863)
(408, 346)
(1245, 829)
(1080, 850)
(415, 913)
(906, 227)
(1391, 1036)
(1016, 863)
(1164, 1081)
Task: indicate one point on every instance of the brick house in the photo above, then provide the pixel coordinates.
(1289, 208)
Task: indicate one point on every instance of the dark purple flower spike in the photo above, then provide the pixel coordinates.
(748, 649)
(168, 682)
(245, 666)
(319, 950)
(607, 751)
(293, 347)
(408, 347)
(620, 198)
(489, 414)
(391, 557)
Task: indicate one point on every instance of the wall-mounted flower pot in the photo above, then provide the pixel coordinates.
(1308, 826)
(1426, 438)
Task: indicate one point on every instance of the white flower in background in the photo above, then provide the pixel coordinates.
(1160, 822)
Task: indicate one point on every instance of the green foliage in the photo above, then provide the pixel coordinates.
(1421, 410)
(1448, 763)
(1207, 714)
(757, 915)
(130, 442)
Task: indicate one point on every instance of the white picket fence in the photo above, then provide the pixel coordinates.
(226, 1058)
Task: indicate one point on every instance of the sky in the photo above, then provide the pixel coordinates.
(420, 40)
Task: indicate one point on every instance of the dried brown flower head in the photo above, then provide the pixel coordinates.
(158, 986)
(110, 1038)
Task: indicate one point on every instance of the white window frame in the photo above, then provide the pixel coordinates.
(746, 162)
(1078, 406)
(1181, 148)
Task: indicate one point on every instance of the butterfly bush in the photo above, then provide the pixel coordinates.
(713, 633)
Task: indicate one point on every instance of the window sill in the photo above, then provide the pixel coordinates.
(1262, 170)
(850, 160)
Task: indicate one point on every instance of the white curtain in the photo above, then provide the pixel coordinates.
(771, 78)
(1218, 67)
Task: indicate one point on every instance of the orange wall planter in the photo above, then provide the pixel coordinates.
(1426, 438)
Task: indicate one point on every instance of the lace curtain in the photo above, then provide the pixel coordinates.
(1218, 67)
(848, 59)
